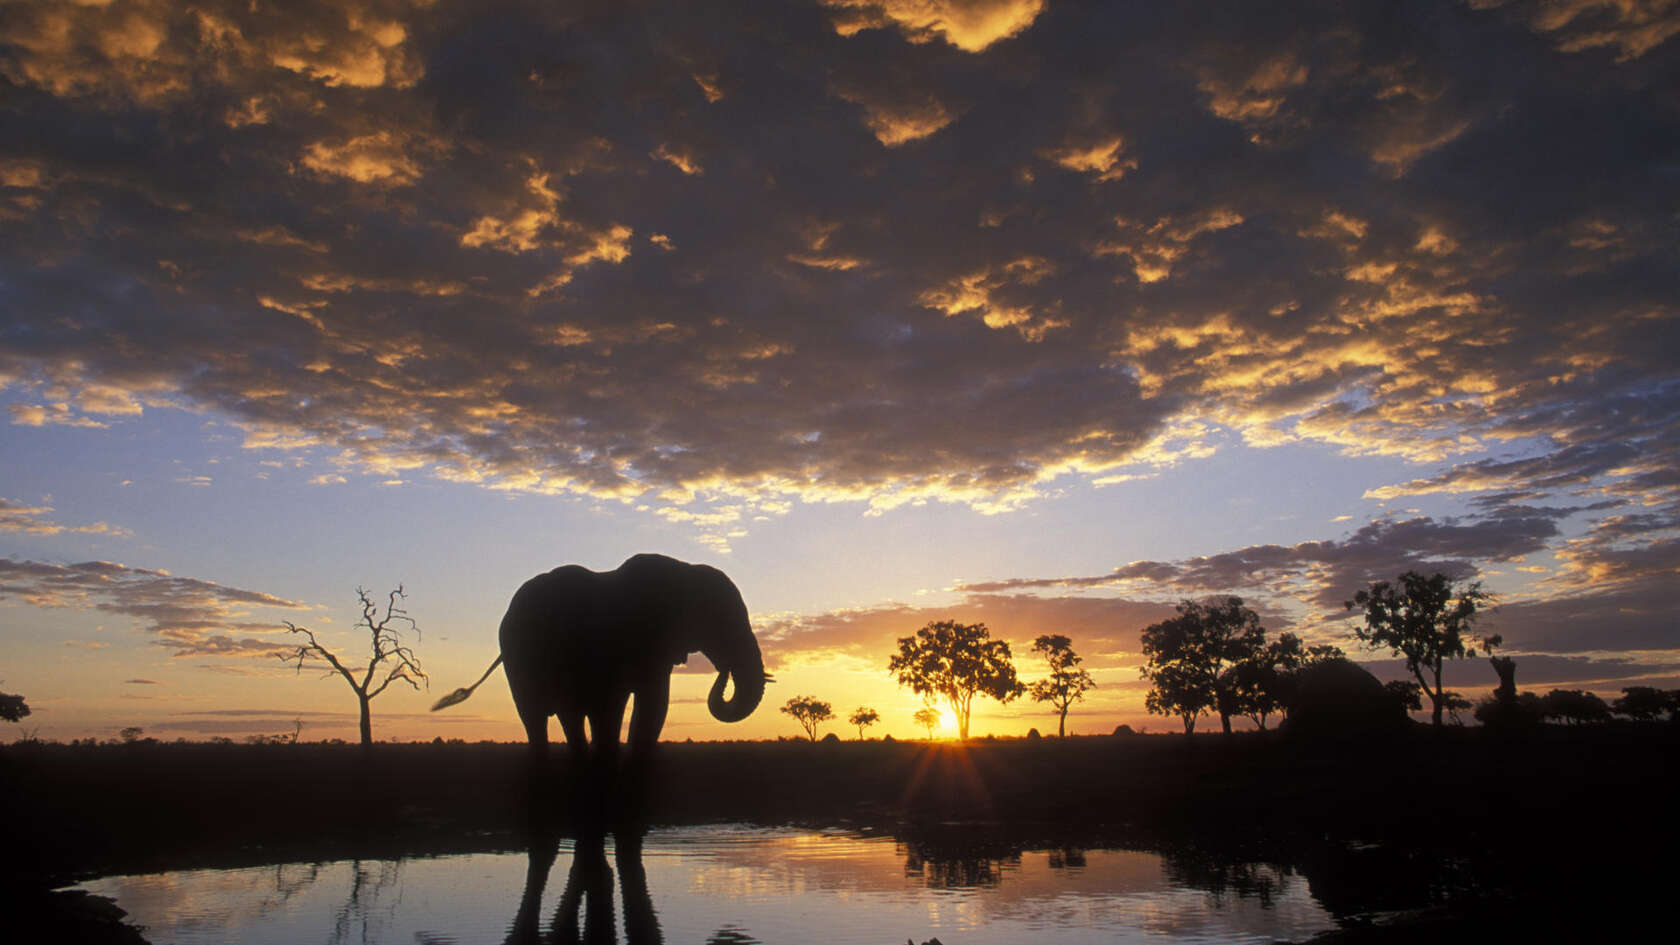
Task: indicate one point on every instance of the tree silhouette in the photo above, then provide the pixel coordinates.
(1641, 703)
(1189, 654)
(1180, 691)
(1407, 692)
(1518, 711)
(927, 717)
(388, 651)
(809, 713)
(1455, 702)
(863, 718)
(1573, 707)
(957, 661)
(1066, 683)
(1264, 683)
(1421, 620)
(12, 708)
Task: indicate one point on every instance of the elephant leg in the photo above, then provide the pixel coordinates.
(653, 698)
(604, 726)
(536, 729)
(571, 723)
(535, 720)
(647, 720)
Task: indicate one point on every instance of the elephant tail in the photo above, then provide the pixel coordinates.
(460, 695)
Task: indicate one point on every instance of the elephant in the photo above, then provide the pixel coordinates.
(578, 644)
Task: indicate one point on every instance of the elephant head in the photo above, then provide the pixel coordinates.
(719, 629)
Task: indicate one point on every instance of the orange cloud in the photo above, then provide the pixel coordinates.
(969, 25)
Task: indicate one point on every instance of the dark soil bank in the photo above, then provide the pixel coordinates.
(1542, 836)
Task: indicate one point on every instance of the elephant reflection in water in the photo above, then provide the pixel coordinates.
(588, 894)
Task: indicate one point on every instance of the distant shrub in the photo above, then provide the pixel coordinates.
(1123, 729)
(1033, 733)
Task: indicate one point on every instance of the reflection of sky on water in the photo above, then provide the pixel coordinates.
(770, 886)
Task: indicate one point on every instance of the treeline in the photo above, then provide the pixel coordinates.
(1214, 658)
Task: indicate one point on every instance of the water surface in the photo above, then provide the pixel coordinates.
(731, 884)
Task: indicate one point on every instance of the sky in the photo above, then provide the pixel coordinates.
(1039, 313)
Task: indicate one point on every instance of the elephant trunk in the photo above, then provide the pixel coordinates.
(746, 664)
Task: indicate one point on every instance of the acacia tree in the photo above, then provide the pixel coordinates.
(809, 713)
(1573, 706)
(927, 717)
(956, 661)
(389, 661)
(1066, 683)
(1188, 656)
(12, 708)
(1428, 621)
(863, 718)
(1641, 703)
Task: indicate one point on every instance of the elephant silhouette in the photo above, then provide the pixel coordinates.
(578, 644)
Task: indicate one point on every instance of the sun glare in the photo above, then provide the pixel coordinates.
(947, 721)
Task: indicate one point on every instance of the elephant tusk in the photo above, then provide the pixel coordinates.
(769, 678)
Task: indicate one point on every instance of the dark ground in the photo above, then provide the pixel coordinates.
(1466, 836)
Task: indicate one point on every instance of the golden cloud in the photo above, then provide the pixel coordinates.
(983, 292)
(1154, 249)
(969, 25)
(680, 158)
(368, 53)
(1102, 158)
(378, 158)
(1631, 27)
(1255, 97)
(152, 50)
(896, 123)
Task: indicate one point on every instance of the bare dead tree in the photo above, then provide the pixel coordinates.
(389, 655)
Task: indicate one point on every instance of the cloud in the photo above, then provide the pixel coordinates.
(970, 25)
(874, 253)
(32, 520)
(152, 51)
(378, 158)
(1324, 574)
(193, 617)
(1571, 466)
(1631, 28)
